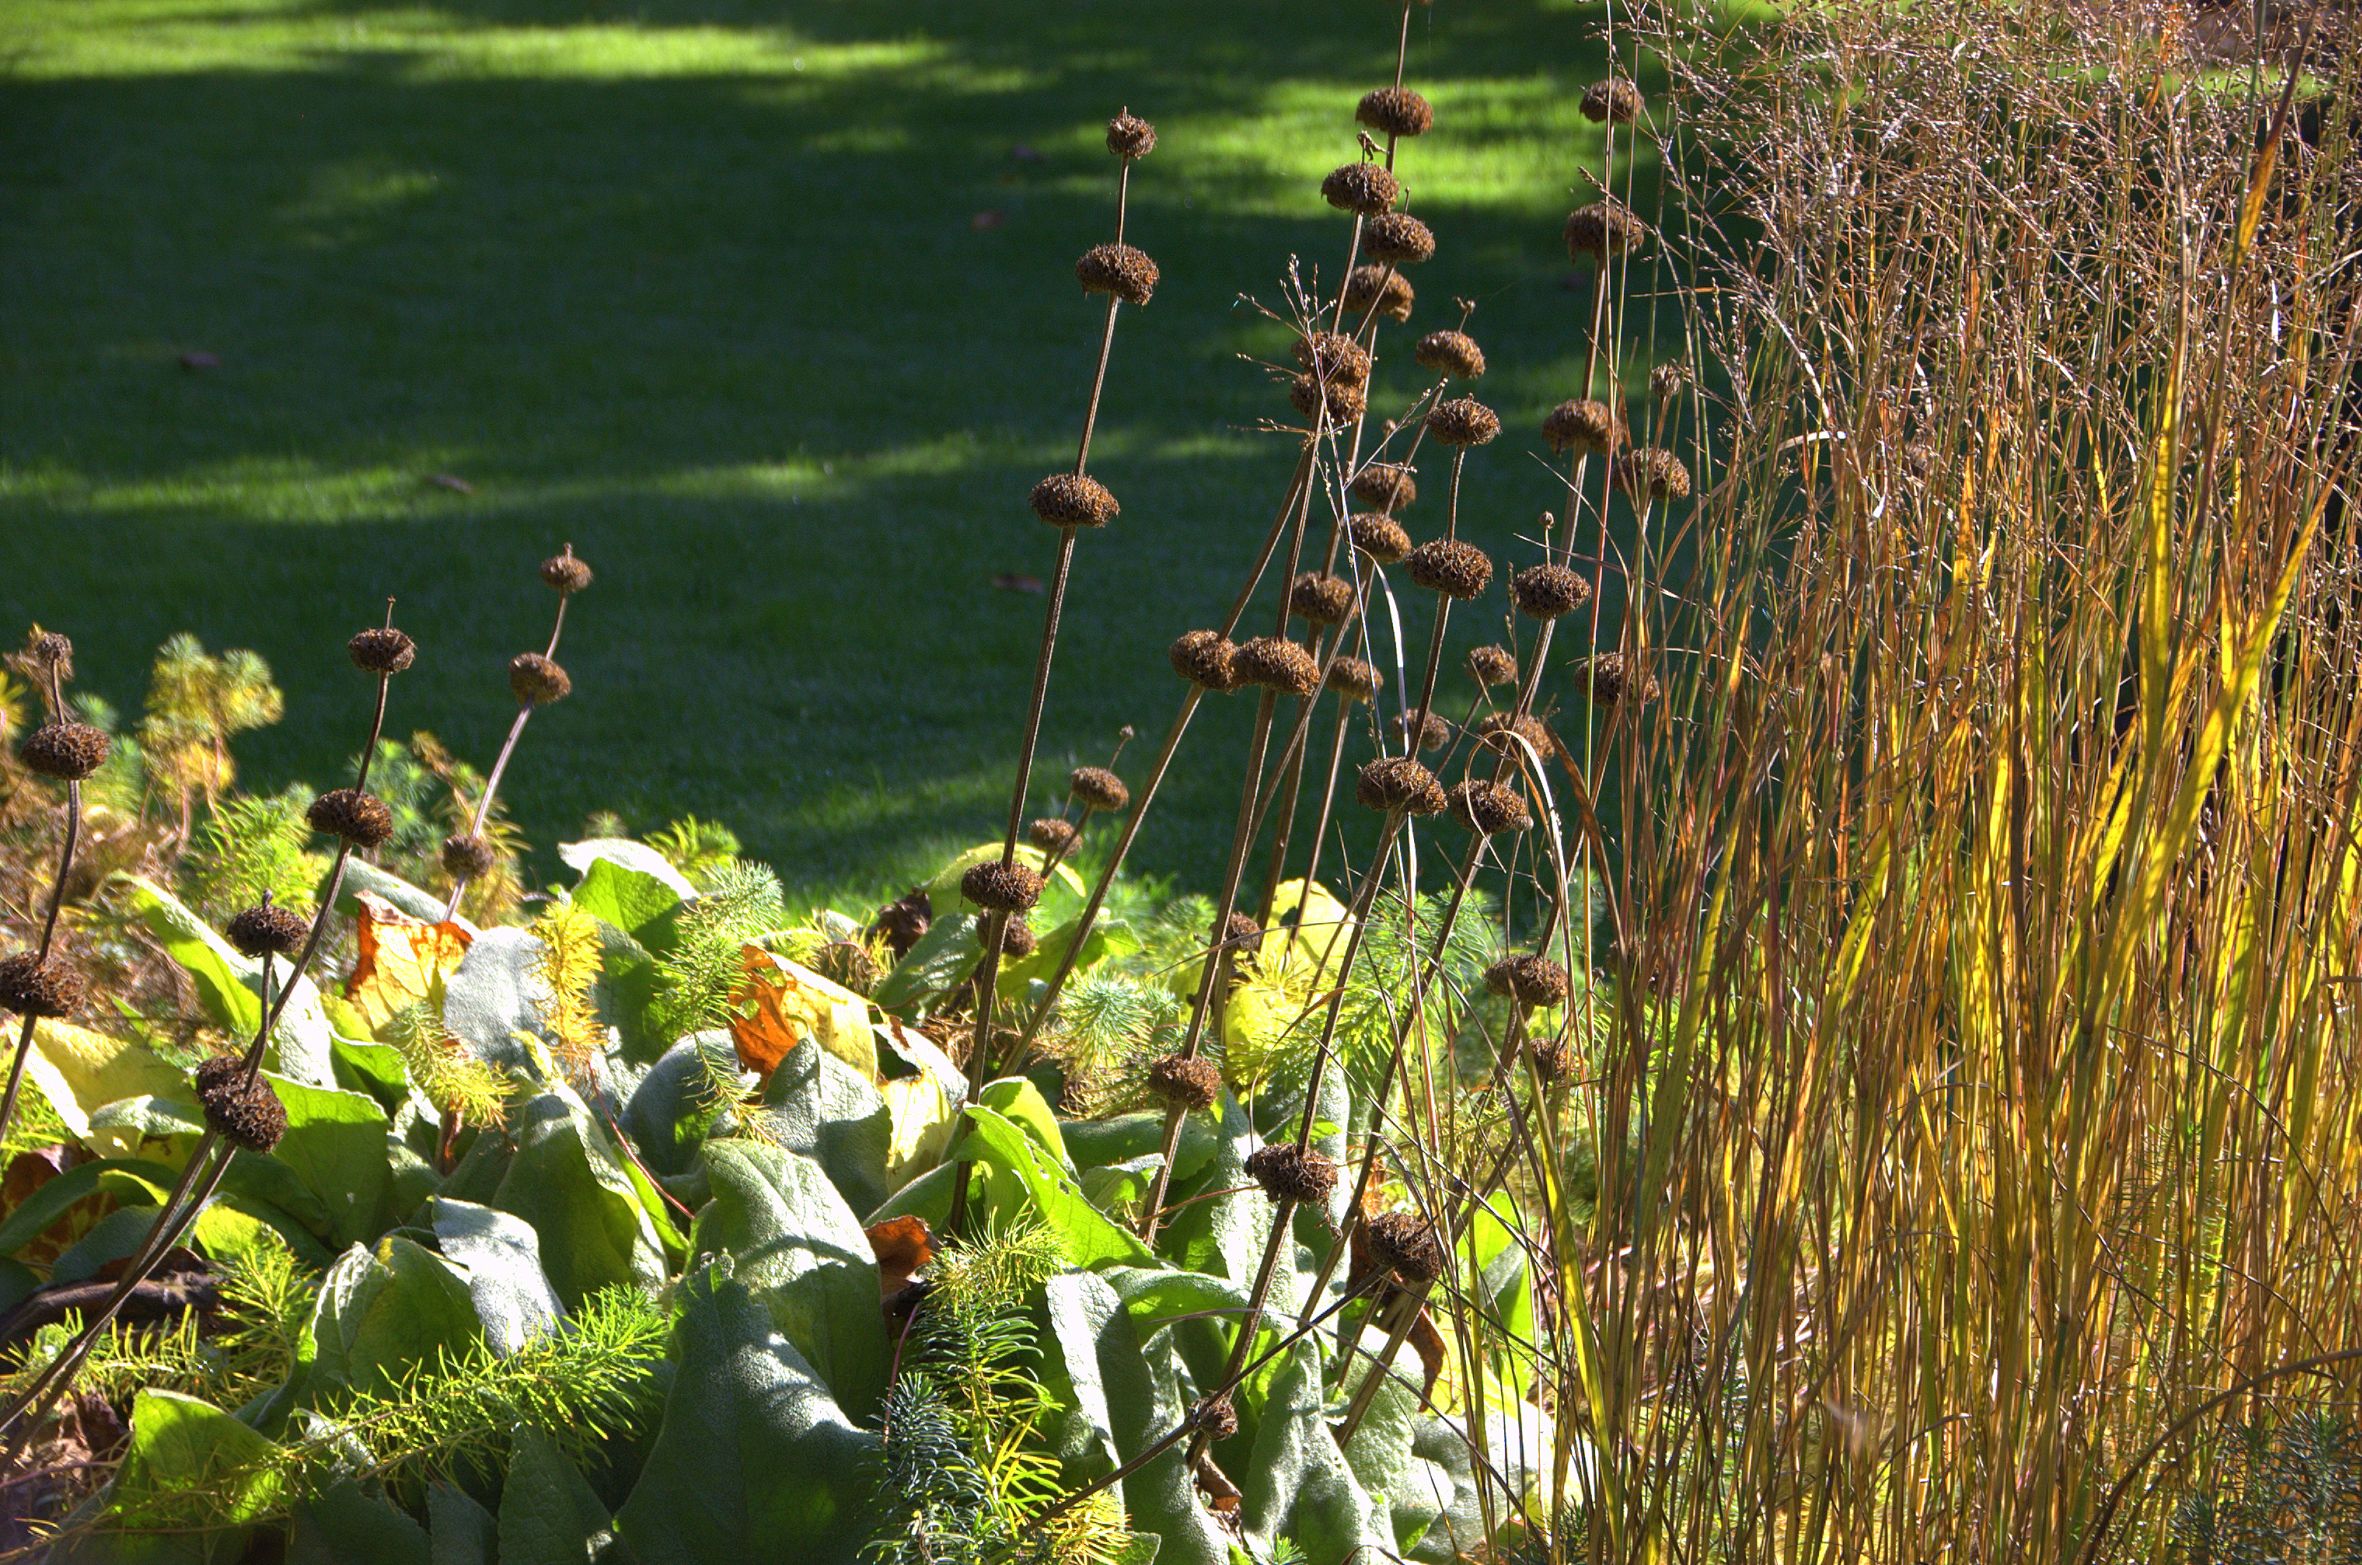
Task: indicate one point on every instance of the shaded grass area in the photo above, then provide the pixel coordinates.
(768, 309)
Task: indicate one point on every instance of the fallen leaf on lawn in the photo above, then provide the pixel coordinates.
(1010, 581)
(1026, 152)
(403, 960)
(198, 360)
(988, 219)
(452, 482)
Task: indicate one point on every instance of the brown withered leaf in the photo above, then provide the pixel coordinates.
(902, 1245)
(759, 1024)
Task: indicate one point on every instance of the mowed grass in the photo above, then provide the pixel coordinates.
(769, 309)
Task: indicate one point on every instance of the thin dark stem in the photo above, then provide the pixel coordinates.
(57, 898)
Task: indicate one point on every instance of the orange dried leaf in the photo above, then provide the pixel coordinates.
(902, 1245)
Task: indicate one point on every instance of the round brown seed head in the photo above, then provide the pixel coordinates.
(1421, 732)
(30, 986)
(849, 963)
(50, 649)
(1652, 471)
(1553, 1057)
(1291, 1173)
(1378, 535)
(1584, 424)
(537, 680)
(244, 1113)
(1276, 663)
(1130, 137)
(1395, 111)
(1001, 888)
(1609, 679)
(467, 854)
(1340, 401)
(1490, 666)
(1408, 1246)
(1389, 486)
(1216, 1416)
(1097, 788)
(1206, 659)
(1122, 270)
(1615, 99)
(1356, 679)
(1396, 782)
(1455, 568)
(1487, 808)
(1366, 188)
(266, 927)
(1191, 1081)
(1073, 500)
(1496, 730)
(1379, 288)
(1666, 381)
(1334, 356)
(566, 573)
(1321, 598)
(1051, 834)
(1605, 228)
(67, 751)
(1463, 421)
(903, 922)
(1548, 591)
(361, 819)
(1452, 353)
(1018, 941)
(381, 650)
(1241, 934)
(1529, 980)
(1397, 239)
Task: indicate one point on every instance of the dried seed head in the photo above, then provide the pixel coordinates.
(1216, 1416)
(1397, 239)
(1276, 663)
(849, 963)
(1490, 666)
(1463, 421)
(1130, 137)
(1378, 535)
(1354, 678)
(67, 751)
(50, 649)
(1495, 732)
(1452, 353)
(1652, 471)
(903, 922)
(244, 1113)
(1240, 933)
(1548, 591)
(1609, 679)
(1390, 486)
(1396, 782)
(1321, 598)
(537, 680)
(1001, 888)
(1018, 941)
(1379, 288)
(1487, 808)
(30, 986)
(1666, 380)
(381, 650)
(1604, 228)
(1122, 270)
(467, 855)
(566, 573)
(1366, 188)
(1206, 659)
(1421, 732)
(1097, 788)
(1407, 1244)
(1291, 1173)
(1073, 500)
(1191, 1081)
(1051, 834)
(361, 819)
(1395, 111)
(1340, 400)
(266, 927)
(1615, 99)
(1584, 424)
(1450, 566)
(1553, 1057)
(1333, 356)
(1529, 980)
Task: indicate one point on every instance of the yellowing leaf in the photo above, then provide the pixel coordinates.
(78, 1070)
(403, 960)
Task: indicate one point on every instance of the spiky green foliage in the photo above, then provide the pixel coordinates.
(251, 845)
(741, 906)
(453, 1079)
(703, 850)
(197, 702)
(1107, 1027)
(2285, 1494)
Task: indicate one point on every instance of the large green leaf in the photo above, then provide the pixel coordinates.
(1294, 1481)
(343, 1526)
(229, 985)
(497, 993)
(125, 1179)
(460, 1531)
(568, 1181)
(498, 1256)
(820, 1106)
(193, 1474)
(754, 1460)
(626, 854)
(945, 956)
(676, 1103)
(382, 1313)
(635, 901)
(799, 1247)
(80, 1072)
(549, 1514)
(1022, 1177)
(336, 1147)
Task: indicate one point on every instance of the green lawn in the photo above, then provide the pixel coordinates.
(703, 286)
